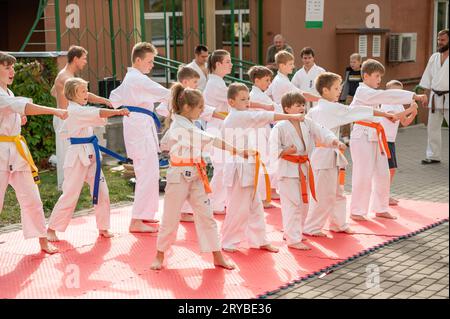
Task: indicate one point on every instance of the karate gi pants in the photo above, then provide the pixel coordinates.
(434, 127)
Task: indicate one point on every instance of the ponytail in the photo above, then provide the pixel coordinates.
(216, 57)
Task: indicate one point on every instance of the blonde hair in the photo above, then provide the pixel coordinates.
(140, 49)
(393, 84)
(283, 57)
(182, 96)
(234, 89)
(7, 59)
(371, 66)
(71, 85)
(291, 98)
(356, 56)
(326, 80)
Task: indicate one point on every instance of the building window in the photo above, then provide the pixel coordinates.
(441, 10)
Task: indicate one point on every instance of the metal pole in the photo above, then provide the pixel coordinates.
(200, 21)
(241, 45)
(58, 26)
(142, 8)
(260, 32)
(174, 30)
(166, 43)
(232, 33)
(112, 36)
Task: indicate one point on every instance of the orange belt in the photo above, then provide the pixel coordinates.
(299, 159)
(266, 177)
(381, 135)
(201, 169)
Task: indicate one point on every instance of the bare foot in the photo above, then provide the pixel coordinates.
(187, 218)
(348, 230)
(137, 226)
(299, 246)
(274, 194)
(157, 263)
(359, 218)
(393, 202)
(151, 221)
(46, 247)
(51, 235)
(222, 212)
(270, 248)
(230, 250)
(305, 239)
(386, 215)
(268, 205)
(219, 261)
(106, 233)
(318, 234)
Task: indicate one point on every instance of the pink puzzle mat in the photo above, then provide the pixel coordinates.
(92, 267)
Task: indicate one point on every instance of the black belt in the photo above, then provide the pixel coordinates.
(438, 93)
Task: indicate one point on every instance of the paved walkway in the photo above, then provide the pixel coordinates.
(413, 268)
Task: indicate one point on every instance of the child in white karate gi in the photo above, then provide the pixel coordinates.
(17, 167)
(391, 129)
(187, 179)
(245, 212)
(328, 164)
(291, 144)
(140, 133)
(368, 146)
(81, 161)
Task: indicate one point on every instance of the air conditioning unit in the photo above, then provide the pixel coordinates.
(402, 47)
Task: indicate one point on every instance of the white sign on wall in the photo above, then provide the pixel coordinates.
(73, 18)
(373, 19)
(314, 14)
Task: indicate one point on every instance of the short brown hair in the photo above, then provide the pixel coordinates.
(307, 51)
(394, 83)
(326, 80)
(234, 89)
(7, 59)
(259, 72)
(291, 98)
(75, 51)
(443, 32)
(216, 57)
(283, 57)
(71, 85)
(187, 73)
(140, 49)
(371, 66)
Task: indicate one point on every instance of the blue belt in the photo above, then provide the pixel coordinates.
(94, 141)
(136, 109)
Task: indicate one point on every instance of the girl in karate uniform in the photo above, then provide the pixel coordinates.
(186, 177)
(16, 164)
(291, 143)
(81, 163)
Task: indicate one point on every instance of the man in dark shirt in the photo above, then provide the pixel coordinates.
(279, 44)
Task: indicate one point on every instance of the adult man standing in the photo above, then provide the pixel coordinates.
(76, 61)
(279, 44)
(199, 65)
(435, 81)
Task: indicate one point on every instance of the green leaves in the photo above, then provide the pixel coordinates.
(34, 79)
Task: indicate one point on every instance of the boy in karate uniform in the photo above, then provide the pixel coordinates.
(16, 164)
(245, 212)
(140, 135)
(391, 129)
(186, 177)
(328, 164)
(368, 145)
(281, 83)
(261, 78)
(291, 143)
(81, 161)
(305, 78)
(189, 79)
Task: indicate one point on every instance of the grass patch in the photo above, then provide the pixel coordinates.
(119, 191)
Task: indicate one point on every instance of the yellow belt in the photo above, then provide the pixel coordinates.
(22, 148)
